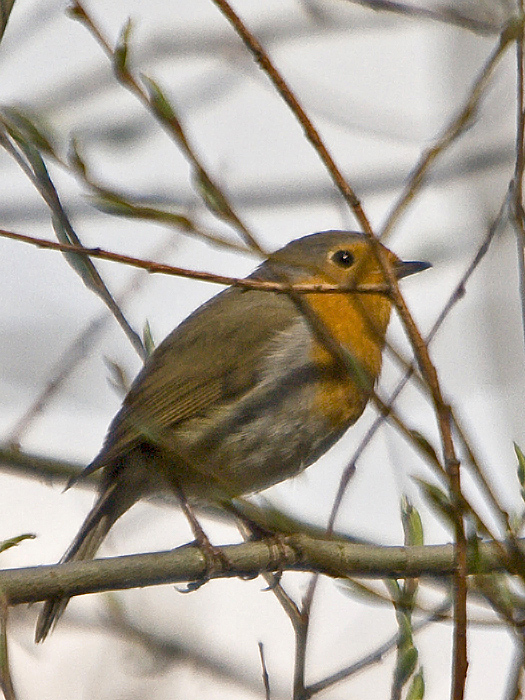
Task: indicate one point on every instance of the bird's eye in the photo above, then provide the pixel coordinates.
(343, 258)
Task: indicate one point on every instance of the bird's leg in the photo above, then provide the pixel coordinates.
(215, 558)
(251, 530)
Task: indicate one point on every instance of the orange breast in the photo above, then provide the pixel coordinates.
(358, 323)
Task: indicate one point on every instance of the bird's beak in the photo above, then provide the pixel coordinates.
(404, 268)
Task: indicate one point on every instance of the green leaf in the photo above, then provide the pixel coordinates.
(162, 105)
(521, 468)
(120, 57)
(111, 203)
(14, 541)
(395, 589)
(212, 196)
(406, 663)
(473, 542)
(117, 205)
(118, 377)
(425, 447)
(75, 160)
(147, 339)
(405, 630)
(438, 499)
(29, 149)
(360, 592)
(412, 524)
(30, 129)
(417, 687)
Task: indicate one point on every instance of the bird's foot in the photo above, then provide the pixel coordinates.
(215, 559)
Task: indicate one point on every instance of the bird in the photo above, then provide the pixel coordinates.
(247, 391)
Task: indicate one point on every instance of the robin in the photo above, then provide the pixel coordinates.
(246, 392)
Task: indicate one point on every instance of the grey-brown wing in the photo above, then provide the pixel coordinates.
(213, 356)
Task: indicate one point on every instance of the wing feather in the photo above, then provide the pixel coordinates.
(212, 357)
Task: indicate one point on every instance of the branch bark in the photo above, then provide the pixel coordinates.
(334, 558)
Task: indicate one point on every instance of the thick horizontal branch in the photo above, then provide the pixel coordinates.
(292, 553)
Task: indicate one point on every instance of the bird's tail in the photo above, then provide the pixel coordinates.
(108, 508)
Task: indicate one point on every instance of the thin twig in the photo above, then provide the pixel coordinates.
(446, 15)
(457, 294)
(104, 198)
(427, 368)
(265, 676)
(161, 268)
(157, 105)
(461, 121)
(311, 133)
(376, 656)
(89, 274)
(519, 168)
(443, 414)
(75, 354)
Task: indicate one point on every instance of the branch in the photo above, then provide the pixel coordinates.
(29, 159)
(154, 267)
(158, 105)
(310, 131)
(445, 15)
(459, 123)
(334, 558)
(43, 468)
